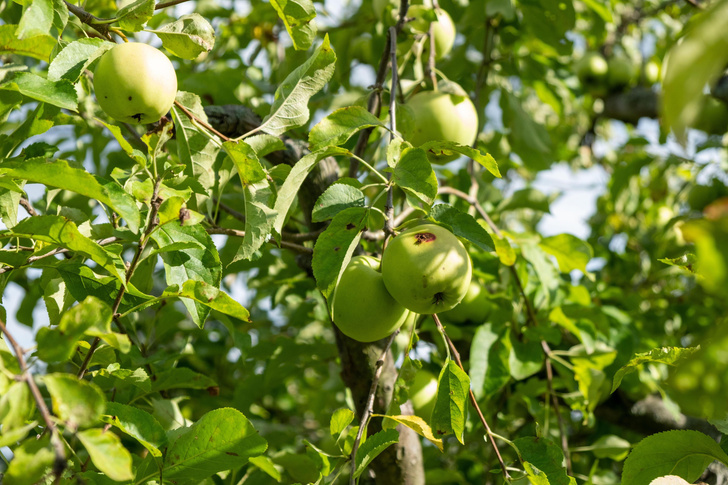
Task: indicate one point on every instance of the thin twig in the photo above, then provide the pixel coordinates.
(474, 202)
(238, 233)
(555, 400)
(287, 236)
(59, 463)
(369, 409)
(374, 105)
(389, 207)
(431, 56)
(202, 123)
(152, 222)
(28, 206)
(473, 401)
(99, 25)
(33, 259)
(171, 3)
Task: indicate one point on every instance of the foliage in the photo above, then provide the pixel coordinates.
(177, 278)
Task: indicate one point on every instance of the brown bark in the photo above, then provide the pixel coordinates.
(400, 464)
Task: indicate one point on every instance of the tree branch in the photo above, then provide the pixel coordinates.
(473, 401)
(284, 244)
(59, 463)
(369, 409)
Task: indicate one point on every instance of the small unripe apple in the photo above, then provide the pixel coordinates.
(443, 116)
(475, 307)
(713, 117)
(135, 83)
(427, 269)
(622, 72)
(422, 393)
(443, 29)
(363, 309)
(592, 70)
(652, 72)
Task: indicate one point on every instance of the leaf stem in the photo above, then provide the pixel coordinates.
(202, 123)
(369, 409)
(372, 169)
(59, 463)
(473, 401)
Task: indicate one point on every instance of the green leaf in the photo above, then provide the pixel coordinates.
(90, 317)
(600, 9)
(181, 378)
(293, 182)
(133, 153)
(529, 139)
(59, 93)
(107, 453)
(190, 264)
(10, 438)
(611, 446)
(297, 16)
(335, 199)
(138, 424)
(414, 174)
(453, 387)
(59, 174)
(79, 403)
(75, 57)
(546, 456)
(662, 355)
(561, 19)
(341, 418)
(504, 250)
(209, 296)
(64, 233)
(194, 148)
(31, 460)
(335, 246)
(525, 199)
(418, 425)
(187, 37)
(526, 358)
(489, 360)
(463, 225)
(290, 106)
(259, 219)
(246, 162)
(339, 126)
(16, 407)
(691, 64)
(222, 439)
(81, 282)
(684, 453)
(711, 244)
(36, 20)
(372, 447)
(267, 465)
(133, 16)
(38, 47)
(448, 148)
(570, 252)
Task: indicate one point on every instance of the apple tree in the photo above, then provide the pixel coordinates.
(176, 254)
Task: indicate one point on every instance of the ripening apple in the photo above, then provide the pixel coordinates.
(592, 70)
(475, 307)
(443, 29)
(135, 83)
(363, 309)
(426, 269)
(443, 116)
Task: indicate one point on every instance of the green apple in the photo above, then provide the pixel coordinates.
(135, 83)
(651, 72)
(422, 393)
(427, 269)
(443, 116)
(621, 72)
(443, 28)
(475, 307)
(363, 309)
(713, 117)
(592, 70)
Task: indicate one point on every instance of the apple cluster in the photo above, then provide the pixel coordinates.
(424, 270)
(599, 76)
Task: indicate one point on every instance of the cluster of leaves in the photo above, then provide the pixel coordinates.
(134, 243)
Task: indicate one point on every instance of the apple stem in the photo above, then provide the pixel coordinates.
(474, 401)
(369, 409)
